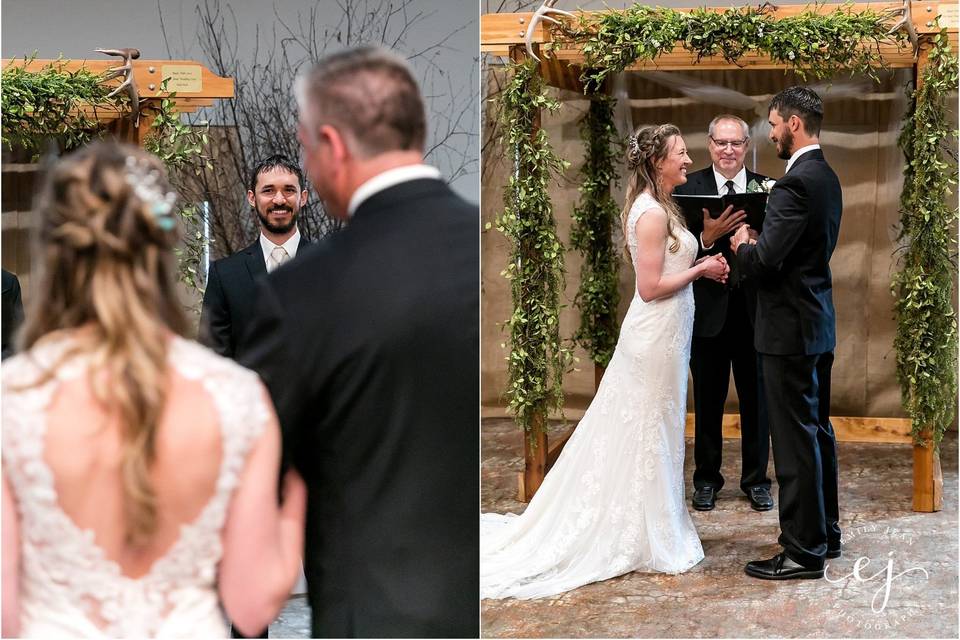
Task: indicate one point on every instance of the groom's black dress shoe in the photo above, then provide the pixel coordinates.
(760, 498)
(705, 499)
(834, 551)
(780, 567)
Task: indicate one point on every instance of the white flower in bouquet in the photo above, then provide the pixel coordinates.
(764, 186)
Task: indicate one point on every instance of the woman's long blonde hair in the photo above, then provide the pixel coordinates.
(106, 237)
(646, 149)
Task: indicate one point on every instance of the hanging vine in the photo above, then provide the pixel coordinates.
(537, 356)
(593, 221)
(926, 338)
(811, 43)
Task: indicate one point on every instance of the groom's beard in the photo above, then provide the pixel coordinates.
(785, 145)
(277, 228)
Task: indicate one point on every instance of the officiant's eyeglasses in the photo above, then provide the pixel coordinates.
(734, 144)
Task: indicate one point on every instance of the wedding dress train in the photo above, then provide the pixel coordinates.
(614, 500)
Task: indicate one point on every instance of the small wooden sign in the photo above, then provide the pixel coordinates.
(949, 14)
(184, 78)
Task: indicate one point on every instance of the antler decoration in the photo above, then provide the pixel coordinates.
(543, 14)
(129, 84)
(906, 20)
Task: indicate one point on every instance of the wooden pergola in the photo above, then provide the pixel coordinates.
(195, 87)
(505, 34)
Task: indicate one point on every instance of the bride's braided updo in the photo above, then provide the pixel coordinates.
(646, 149)
(105, 244)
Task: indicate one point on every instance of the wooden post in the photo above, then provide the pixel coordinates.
(534, 460)
(927, 474)
(535, 449)
(598, 372)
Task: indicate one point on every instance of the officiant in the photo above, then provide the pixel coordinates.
(723, 330)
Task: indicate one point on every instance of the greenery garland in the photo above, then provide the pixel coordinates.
(810, 43)
(49, 104)
(593, 221)
(538, 358)
(44, 104)
(926, 338)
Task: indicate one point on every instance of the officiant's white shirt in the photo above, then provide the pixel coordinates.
(387, 179)
(739, 181)
(799, 152)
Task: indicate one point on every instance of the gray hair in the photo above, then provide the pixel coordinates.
(726, 116)
(369, 95)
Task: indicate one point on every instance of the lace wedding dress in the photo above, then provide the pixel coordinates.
(68, 586)
(613, 502)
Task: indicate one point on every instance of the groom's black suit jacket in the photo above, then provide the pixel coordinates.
(710, 297)
(369, 344)
(791, 260)
(228, 299)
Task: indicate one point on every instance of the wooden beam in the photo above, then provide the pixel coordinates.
(190, 79)
(847, 429)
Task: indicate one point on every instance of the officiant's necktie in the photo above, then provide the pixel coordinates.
(278, 256)
(731, 187)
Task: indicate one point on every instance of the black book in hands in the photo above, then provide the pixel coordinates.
(754, 204)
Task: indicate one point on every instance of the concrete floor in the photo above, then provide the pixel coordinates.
(716, 599)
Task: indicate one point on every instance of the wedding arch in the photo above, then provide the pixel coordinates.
(579, 52)
(67, 103)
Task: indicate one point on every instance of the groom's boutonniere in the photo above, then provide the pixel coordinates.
(764, 186)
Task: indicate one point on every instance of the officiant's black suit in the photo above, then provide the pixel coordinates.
(369, 344)
(723, 336)
(796, 335)
(228, 299)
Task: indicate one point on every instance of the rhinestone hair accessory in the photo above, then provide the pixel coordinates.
(145, 181)
(633, 151)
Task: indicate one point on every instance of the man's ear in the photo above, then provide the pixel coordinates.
(252, 199)
(303, 197)
(795, 123)
(338, 145)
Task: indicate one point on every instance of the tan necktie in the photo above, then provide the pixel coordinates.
(278, 256)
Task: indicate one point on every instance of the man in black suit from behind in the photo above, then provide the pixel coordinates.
(796, 335)
(276, 194)
(369, 346)
(12, 312)
(723, 332)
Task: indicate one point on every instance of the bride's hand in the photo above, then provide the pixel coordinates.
(714, 267)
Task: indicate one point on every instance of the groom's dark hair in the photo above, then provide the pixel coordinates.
(802, 102)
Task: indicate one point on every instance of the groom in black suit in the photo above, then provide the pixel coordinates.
(276, 195)
(369, 346)
(796, 335)
(723, 331)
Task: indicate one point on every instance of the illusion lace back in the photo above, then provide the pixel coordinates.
(613, 502)
(69, 587)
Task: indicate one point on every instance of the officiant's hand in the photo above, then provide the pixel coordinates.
(716, 228)
(714, 267)
(743, 235)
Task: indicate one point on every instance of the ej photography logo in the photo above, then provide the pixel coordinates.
(877, 573)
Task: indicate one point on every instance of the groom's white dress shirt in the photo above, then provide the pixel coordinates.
(799, 152)
(387, 179)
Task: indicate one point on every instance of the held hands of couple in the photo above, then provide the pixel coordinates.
(714, 267)
(716, 228)
(743, 235)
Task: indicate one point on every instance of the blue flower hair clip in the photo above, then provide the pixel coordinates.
(145, 181)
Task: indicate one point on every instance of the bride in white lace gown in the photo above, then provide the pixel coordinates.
(613, 502)
(139, 469)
